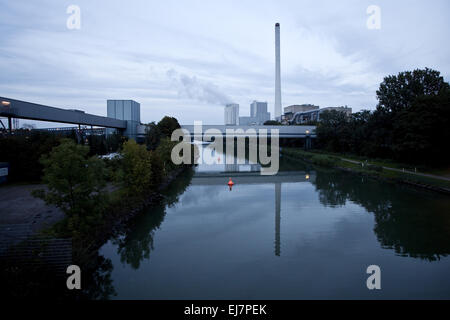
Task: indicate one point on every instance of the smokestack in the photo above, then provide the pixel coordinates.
(277, 72)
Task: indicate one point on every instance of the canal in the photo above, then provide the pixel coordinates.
(306, 232)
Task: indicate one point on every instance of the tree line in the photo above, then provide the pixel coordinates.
(410, 123)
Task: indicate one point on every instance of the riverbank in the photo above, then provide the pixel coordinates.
(372, 169)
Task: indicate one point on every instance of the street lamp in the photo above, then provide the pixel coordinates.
(307, 140)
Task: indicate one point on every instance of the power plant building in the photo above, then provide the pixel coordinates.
(314, 115)
(231, 116)
(258, 114)
(128, 110)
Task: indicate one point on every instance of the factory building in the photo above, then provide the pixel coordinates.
(314, 115)
(128, 110)
(293, 109)
(231, 116)
(258, 114)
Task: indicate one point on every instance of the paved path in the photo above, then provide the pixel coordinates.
(18, 206)
(405, 171)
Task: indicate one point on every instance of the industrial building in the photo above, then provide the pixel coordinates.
(231, 114)
(128, 110)
(300, 108)
(314, 115)
(289, 111)
(258, 114)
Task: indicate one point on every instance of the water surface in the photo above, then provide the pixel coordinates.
(304, 233)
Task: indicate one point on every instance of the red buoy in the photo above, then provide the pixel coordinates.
(230, 183)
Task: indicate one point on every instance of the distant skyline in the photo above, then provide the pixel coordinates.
(188, 59)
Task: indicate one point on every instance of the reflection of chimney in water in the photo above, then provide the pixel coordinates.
(277, 217)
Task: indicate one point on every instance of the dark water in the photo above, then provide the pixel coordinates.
(305, 233)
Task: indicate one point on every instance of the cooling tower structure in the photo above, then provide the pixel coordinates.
(277, 110)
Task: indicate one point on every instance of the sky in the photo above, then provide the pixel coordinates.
(188, 58)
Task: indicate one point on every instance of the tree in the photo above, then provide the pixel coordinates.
(135, 174)
(331, 130)
(421, 133)
(167, 125)
(164, 151)
(399, 92)
(75, 183)
(114, 141)
(152, 136)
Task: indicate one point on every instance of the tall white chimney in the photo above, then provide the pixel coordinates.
(277, 72)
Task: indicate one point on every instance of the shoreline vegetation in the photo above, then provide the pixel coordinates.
(98, 196)
(368, 167)
(409, 125)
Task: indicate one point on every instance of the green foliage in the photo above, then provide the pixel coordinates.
(75, 184)
(164, 151)
(315, 158)
(114, 142)
(135, 173)
(157, 165)
(397, 93)
(410, 123)
(322, 160)
(152, 136)
(167, 125)
(332, 129)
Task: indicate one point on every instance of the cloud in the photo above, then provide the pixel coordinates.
(328, 56)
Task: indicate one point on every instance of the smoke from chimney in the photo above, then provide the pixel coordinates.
(192, 88)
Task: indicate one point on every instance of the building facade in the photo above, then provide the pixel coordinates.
(258, 111)
(128, 110)
(258, 114)
(314, 115)
(300, 108)
(231, 115)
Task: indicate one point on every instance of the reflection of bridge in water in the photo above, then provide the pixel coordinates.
(253, 177)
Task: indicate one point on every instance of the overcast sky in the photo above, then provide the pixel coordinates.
(187, 58)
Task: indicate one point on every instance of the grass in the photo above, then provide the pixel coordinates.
(376, 161)
(374, 168)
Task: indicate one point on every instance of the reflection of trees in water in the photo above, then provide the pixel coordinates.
(135, 242)
(96, 278)
(413, 223)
